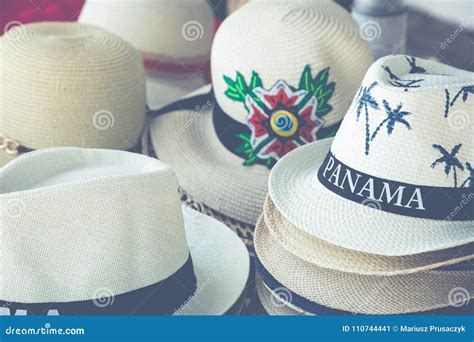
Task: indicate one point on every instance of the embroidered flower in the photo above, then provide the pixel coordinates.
(282, 117)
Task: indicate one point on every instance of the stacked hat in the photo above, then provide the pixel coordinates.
(103, 232)
(378, 220)
(68, 84)
(174, 38)
(283, 75)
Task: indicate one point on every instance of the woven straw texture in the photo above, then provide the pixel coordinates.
(275, 306)
(172, 30)
(278, 39)
(187, 139)
(67, 84)
(355, 293)
(323, 254)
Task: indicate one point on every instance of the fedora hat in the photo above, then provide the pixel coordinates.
(324, 254)
(224, 142)
(174, 38)
(103, 232)
(397, 179)
(312, 286)
(68, 84)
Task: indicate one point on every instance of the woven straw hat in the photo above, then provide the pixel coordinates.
(102, 232)
(363, 294)
(398, 176)
(174, 38)
(208, 139)
(323, 254)
(68, 84)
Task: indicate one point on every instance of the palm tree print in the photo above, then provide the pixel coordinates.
(415, 69)
(451, 162)
(464, 91)
(364, 101)
(469, 182)
(398, 82)
(394, 116)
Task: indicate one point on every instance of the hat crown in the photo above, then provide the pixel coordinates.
(78, 77)
(170, 29)
(265, 44)
(122, 209)
(411, 121)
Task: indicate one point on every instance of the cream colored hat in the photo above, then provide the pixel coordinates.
(397, 179)
(283, 74)
(68, 84)
(102, 232)
(174, 38)
(362, 294)
(324, 254)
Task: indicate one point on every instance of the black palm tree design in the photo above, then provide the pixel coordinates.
(470, 179)
(415, 69)
(450, 161)
(464, 91)
(394, 116)
(364, 101)
(398, 82)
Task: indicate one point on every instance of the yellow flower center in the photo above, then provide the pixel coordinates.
(284, 123)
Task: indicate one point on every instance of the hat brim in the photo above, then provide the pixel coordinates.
(307, 204)
(274, 306)
(206, 170)
(361, 294)
(221, 264)
(324, 254)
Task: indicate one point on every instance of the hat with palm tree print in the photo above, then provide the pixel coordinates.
(279, 82)
(397, 178)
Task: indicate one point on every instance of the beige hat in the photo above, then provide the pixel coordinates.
(324, 254)
(68, 84)
(363, 294)
(295, 63)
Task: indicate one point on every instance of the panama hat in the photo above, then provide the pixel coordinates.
(68, 84)
(397, 178)
(323, 254)
(361, 294)
(224, 142)
(174, 38)
(103, 232)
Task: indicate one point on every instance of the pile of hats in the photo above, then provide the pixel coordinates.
(378, 220)
(279, 81)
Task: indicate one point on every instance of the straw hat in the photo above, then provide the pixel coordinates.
(102, 232)
(323, 254)
(174, 38)
(211, 138)
(397, 179)
(68, 84)
(362, 294)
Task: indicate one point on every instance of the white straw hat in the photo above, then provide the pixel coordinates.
(363, 294)
(398, 177)
(68, 84)
(174, 38)
(102, 232)
(301, 61)
(323, 254)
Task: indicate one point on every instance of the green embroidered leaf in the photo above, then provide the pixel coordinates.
(232, 95)
(245, 137)
(241, 85)
(320, 79)
(237, 90)
(250, 161)
(256, 81)
(306, 79)
(230, 82)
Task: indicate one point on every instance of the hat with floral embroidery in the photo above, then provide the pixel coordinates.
(397, 179)
(279, 81)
